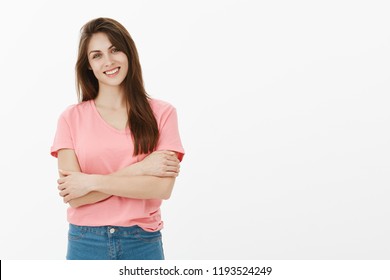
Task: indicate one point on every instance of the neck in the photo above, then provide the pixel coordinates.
(111, 97)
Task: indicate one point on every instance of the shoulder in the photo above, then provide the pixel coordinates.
(160, 107)
(75, 110)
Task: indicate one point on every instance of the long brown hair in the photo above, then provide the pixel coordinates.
(141, 120)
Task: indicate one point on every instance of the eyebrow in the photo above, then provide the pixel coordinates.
(112, 46)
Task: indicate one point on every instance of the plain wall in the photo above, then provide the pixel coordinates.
(283, 111)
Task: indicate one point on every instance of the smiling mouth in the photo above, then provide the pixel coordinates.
(112, 72)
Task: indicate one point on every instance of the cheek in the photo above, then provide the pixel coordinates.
(125, 64)
(123, 59)
(95, 68)
(125, 68)
(92, 65)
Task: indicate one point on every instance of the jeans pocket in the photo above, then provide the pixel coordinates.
(75, 232)
(148, 236)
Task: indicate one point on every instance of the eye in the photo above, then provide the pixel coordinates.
(96, 55)
(114, 50)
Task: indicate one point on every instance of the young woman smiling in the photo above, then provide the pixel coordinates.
(118, 151)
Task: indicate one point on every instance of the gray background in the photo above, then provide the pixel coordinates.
(283, 112)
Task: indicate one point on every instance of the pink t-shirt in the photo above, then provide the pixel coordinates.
(103, 149)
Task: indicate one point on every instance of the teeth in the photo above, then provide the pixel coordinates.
(112, 71)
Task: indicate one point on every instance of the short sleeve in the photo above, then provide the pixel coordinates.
(169, 133)
(62, 138)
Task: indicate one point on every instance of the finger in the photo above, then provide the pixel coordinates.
(166, 153)
(171, 164)
(174, 157)
(172, 169)
(64, 172)
(67, 199)
(161, 152)
(172, 161)
(61, 180)
(64, 193)
(171, 174)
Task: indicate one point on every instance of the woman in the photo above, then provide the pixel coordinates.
(118, 151)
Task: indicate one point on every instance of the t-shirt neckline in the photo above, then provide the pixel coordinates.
(121, 131)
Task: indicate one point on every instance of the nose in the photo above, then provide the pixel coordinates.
(108, 61)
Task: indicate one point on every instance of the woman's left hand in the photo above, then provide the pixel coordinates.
(74, 184)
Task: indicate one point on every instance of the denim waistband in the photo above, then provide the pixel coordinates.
(108, 230)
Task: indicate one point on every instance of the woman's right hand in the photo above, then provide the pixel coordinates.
(160, 164)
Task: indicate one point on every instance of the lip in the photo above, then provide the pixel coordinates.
(114, 74)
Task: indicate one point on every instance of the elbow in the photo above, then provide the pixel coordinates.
(74, 204)
(168, 188)
(167, 194)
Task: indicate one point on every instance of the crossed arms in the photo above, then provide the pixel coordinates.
(151, 178)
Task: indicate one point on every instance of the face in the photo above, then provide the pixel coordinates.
(109, 64)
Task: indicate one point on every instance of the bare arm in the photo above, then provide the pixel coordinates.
(140, 187)
(152, 178)
(159, 163)
(67, 160)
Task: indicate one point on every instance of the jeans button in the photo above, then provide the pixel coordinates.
(112, 230)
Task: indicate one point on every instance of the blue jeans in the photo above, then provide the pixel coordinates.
(113, 243)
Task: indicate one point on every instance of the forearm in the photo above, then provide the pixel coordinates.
(139, 187)
(159, 163)
(95, 196)
(89, 198)
(152, 178)
(67, 160)
(134, 169)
